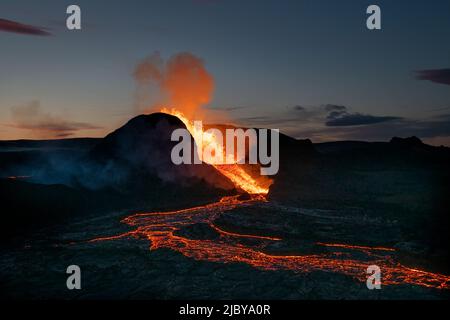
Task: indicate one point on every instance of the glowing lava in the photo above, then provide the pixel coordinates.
(160, 228)
(235, 172)
(18, 177)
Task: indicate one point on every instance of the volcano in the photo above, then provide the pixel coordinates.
(129, 213)
(129, 168)
(138, 154)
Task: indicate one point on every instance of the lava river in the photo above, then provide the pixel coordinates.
(160, 228)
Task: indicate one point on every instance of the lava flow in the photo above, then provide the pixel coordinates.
(162, 230)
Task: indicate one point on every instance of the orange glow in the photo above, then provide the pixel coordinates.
(18, 177)
(232, 234)
(235, 172)
(346, 246)
(160, 227)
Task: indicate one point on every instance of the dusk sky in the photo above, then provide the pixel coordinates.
(310, 68)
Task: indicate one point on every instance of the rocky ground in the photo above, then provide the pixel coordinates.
(127, 269)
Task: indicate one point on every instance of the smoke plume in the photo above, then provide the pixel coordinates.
(181, 82)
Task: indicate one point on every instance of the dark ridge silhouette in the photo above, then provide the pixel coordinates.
(407, 142)
(142, 148)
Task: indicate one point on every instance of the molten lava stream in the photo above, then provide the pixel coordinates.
(236, 173)
(159, 228)
(242, 179)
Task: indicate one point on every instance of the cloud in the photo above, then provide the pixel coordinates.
(299, 108)
(427, 128)
(437, 128)
(441, 76)
(330, 122)
(260, 120)
(293, 116)
(31, 117)
(336, 119)
(333, 122)
(335, 107)
(339, 116)
(17, 27)
(225, 108)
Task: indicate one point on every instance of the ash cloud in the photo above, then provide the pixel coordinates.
(181, 81)
(20, 28)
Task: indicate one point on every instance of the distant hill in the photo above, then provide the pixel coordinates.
(331, 164)
(399, 151)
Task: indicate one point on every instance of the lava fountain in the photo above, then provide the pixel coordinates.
(188, 85)
(235, 172)
(183, 81)
(161, 230)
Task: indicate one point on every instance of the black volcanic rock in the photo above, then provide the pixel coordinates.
(140, 153)
(198, 231)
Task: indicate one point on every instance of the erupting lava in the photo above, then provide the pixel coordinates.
(160, 228)
(184, 82)
(234, 172)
